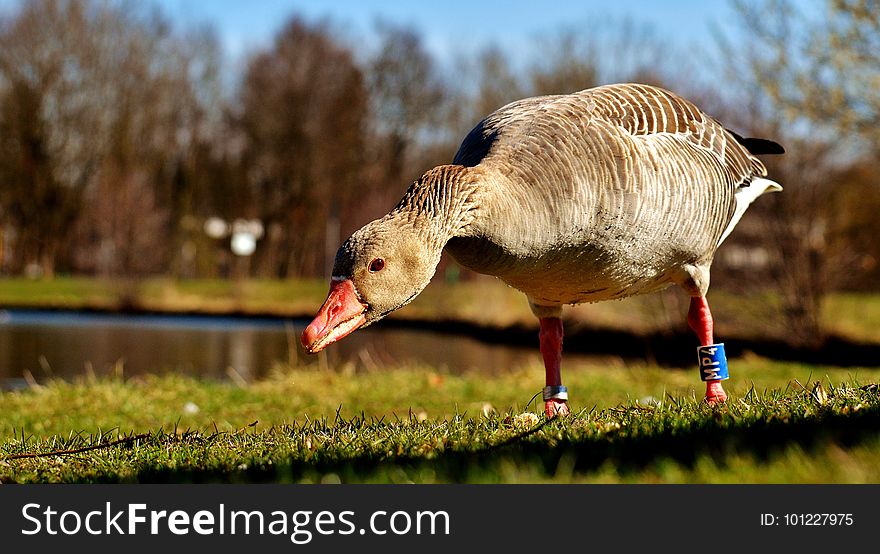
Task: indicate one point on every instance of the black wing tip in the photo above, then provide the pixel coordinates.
(758, 146)
(762, 146)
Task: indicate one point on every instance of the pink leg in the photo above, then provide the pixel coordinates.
(551, 350)
(700, 320)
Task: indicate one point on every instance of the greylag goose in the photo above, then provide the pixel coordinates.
(602, 194)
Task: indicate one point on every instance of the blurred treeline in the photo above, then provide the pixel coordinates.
(122, 133)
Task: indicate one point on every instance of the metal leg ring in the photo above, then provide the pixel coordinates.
(555, 392)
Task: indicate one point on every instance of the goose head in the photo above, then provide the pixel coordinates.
(379, 269)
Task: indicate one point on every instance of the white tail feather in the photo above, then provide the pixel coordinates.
(744, 196)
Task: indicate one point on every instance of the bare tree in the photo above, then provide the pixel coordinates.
(51, 126)
(303, 113)
(806, 82)
(567, 63)
(408, 98)
(487, 82)
(497, 82)
(98, 102)
(824, 70)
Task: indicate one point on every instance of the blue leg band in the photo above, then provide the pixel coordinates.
(713, 362)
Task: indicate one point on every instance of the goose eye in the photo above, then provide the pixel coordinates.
(377, 264)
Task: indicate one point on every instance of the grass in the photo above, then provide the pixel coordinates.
(161, 294)
(855, 315)
(638, 424)
(632, 423)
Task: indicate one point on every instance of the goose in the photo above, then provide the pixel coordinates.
(602, 194)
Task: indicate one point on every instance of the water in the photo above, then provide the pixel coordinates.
(45, 344)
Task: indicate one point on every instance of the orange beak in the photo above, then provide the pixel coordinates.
(341, 314)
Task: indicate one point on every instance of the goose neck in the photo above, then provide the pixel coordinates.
(442, 204)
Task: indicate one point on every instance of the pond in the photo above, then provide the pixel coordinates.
(40, 345)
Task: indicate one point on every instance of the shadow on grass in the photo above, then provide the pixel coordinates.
(716, 437)
(674, 349)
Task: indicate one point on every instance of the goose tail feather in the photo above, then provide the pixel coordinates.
(744, 196)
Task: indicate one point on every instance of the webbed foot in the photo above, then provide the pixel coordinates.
(555, 407)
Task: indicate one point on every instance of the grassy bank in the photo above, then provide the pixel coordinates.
(484, 301)
(632, 424)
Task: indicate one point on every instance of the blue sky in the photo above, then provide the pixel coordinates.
(452, 27)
